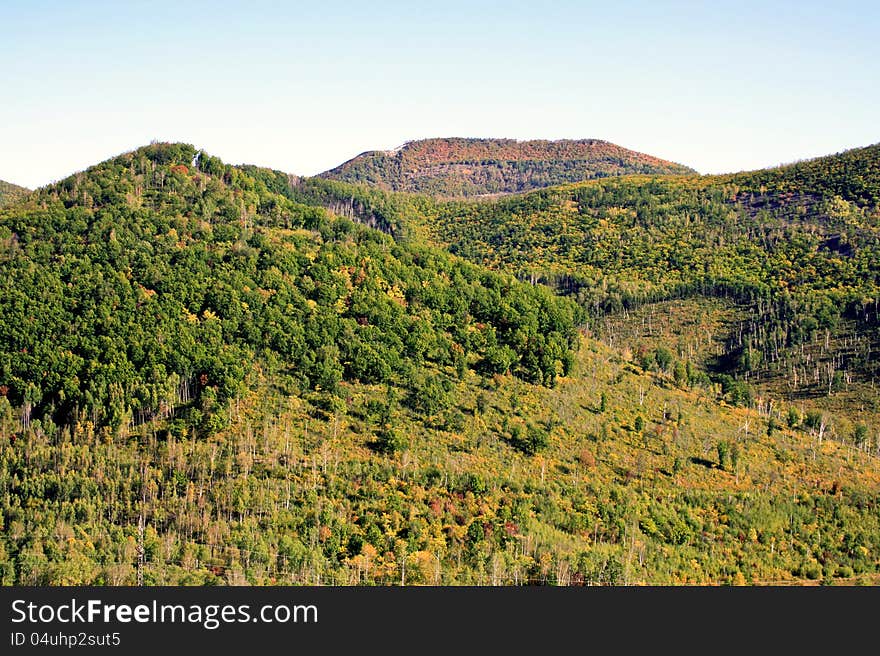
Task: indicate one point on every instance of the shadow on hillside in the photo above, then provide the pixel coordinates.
(708, 464)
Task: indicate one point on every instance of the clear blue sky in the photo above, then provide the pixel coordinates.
(304, 86)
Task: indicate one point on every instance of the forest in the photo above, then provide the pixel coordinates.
(136, 284)
(217, 374)
(794, 250)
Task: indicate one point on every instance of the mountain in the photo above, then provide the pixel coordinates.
(213, 374)
(10, 193)
(474, 167)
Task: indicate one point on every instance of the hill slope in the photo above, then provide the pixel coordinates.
(201, 364)
(10, 193)
(794, 251)
(472, 167)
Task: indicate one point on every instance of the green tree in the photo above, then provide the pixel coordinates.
(663, 357)
(390, 440)
(680, 374)
(813, 419)
(530, 440)
(860, 434)
(428, 393)
(723, 454)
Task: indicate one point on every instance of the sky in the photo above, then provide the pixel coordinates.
(304, 86)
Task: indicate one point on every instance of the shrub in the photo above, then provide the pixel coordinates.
(531, 440)
(793, 418)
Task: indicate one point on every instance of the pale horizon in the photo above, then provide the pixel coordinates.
(392, 148)
(304, 88)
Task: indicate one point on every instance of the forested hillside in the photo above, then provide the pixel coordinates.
(793, 251)
(213, 374)
(10, 193)
(473, 167)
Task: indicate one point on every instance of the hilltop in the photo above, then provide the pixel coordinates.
(474, 167)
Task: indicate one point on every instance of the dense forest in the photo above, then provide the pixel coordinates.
(146, 280)
(215, 374)
(475, 167)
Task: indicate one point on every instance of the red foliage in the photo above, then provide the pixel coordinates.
(587, 459)
(180, 168)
